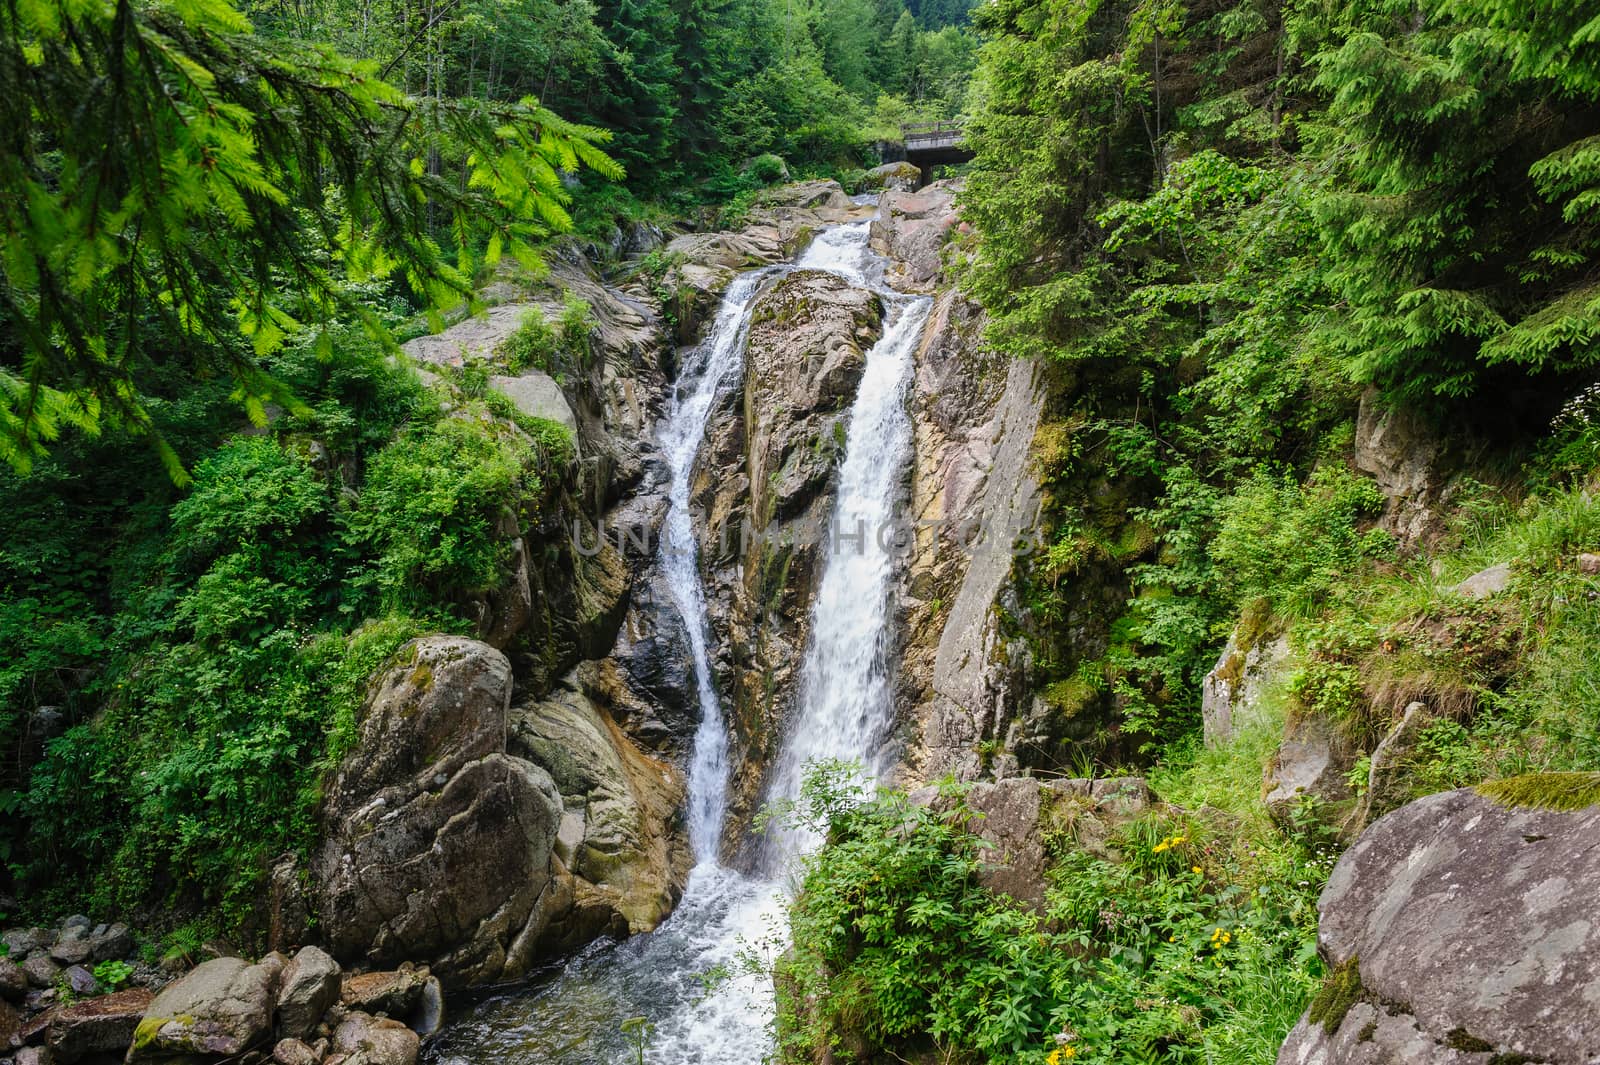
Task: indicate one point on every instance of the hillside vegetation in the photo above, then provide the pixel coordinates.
(1226, 231)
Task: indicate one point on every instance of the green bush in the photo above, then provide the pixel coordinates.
(1197, 948)
(1293, 545)
(427, 519)
(767, 169)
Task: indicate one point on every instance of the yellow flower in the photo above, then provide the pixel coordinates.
(1196, 869)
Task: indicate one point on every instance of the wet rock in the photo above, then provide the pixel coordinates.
(620, 806)
(308, 985)
(97, 1025)
(764, 488)
(1461, 931)
(10, 1025)
(41, 970)
(34, 1056)
(221, 1008)
(437, 841)
(365, 1040)
(1486, 582)
(428, 1016)
(394, 993)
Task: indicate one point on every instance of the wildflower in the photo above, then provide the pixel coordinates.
(1196, 869)
(1062, 1053)
(1168, 843)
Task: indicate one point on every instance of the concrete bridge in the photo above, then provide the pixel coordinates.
(931, 144)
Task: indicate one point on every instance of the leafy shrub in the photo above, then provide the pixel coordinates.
(429, 513)
(767, 169)
(1189, 948)
(534, 344)
(1293, 546)
(566, 345)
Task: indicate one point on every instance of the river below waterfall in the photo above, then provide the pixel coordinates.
(574, 1015)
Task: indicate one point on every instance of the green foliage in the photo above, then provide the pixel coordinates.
(1293, 546)
(111, 975)
(1340, 990)
(433, 501)
(228, 187)
(1545, 791)
(1203, 947)
(210, 664)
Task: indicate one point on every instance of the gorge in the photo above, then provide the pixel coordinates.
(845, 711)
(534, 531)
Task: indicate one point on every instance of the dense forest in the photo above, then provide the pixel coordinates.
(220, 217)
(1227, 234)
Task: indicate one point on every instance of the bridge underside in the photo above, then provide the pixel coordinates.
(944, 155)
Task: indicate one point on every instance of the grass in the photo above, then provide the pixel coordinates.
(1545, 791)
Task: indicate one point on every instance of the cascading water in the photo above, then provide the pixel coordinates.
(575, 1018)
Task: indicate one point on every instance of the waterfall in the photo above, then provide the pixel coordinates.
(708, 368)
(845, 712)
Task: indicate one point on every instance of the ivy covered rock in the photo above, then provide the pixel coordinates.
(1464, 928)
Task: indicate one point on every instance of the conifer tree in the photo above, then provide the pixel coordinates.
(175, 181)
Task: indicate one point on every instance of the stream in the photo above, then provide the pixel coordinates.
(574, 1015)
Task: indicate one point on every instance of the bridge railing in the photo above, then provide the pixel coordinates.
(924, 129)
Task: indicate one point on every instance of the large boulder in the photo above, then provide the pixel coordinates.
(537, 395)
(366, 1040)
(308, 985)
(619, 835)
(912, 228)
(222, 1007)
(900, 176)
(436, 841)
(97, 1025)
(1460, 930)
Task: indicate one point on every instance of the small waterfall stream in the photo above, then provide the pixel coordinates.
(574, 1017)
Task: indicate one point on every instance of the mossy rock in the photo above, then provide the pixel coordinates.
(1341, 989)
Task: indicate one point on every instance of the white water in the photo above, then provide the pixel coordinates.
(846, 712)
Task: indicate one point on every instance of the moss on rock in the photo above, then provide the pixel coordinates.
(1545, 791)
(1341, 989)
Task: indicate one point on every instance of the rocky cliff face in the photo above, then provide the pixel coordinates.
(514, 796)
(480, 838)
(764, 486)
(974, 494)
